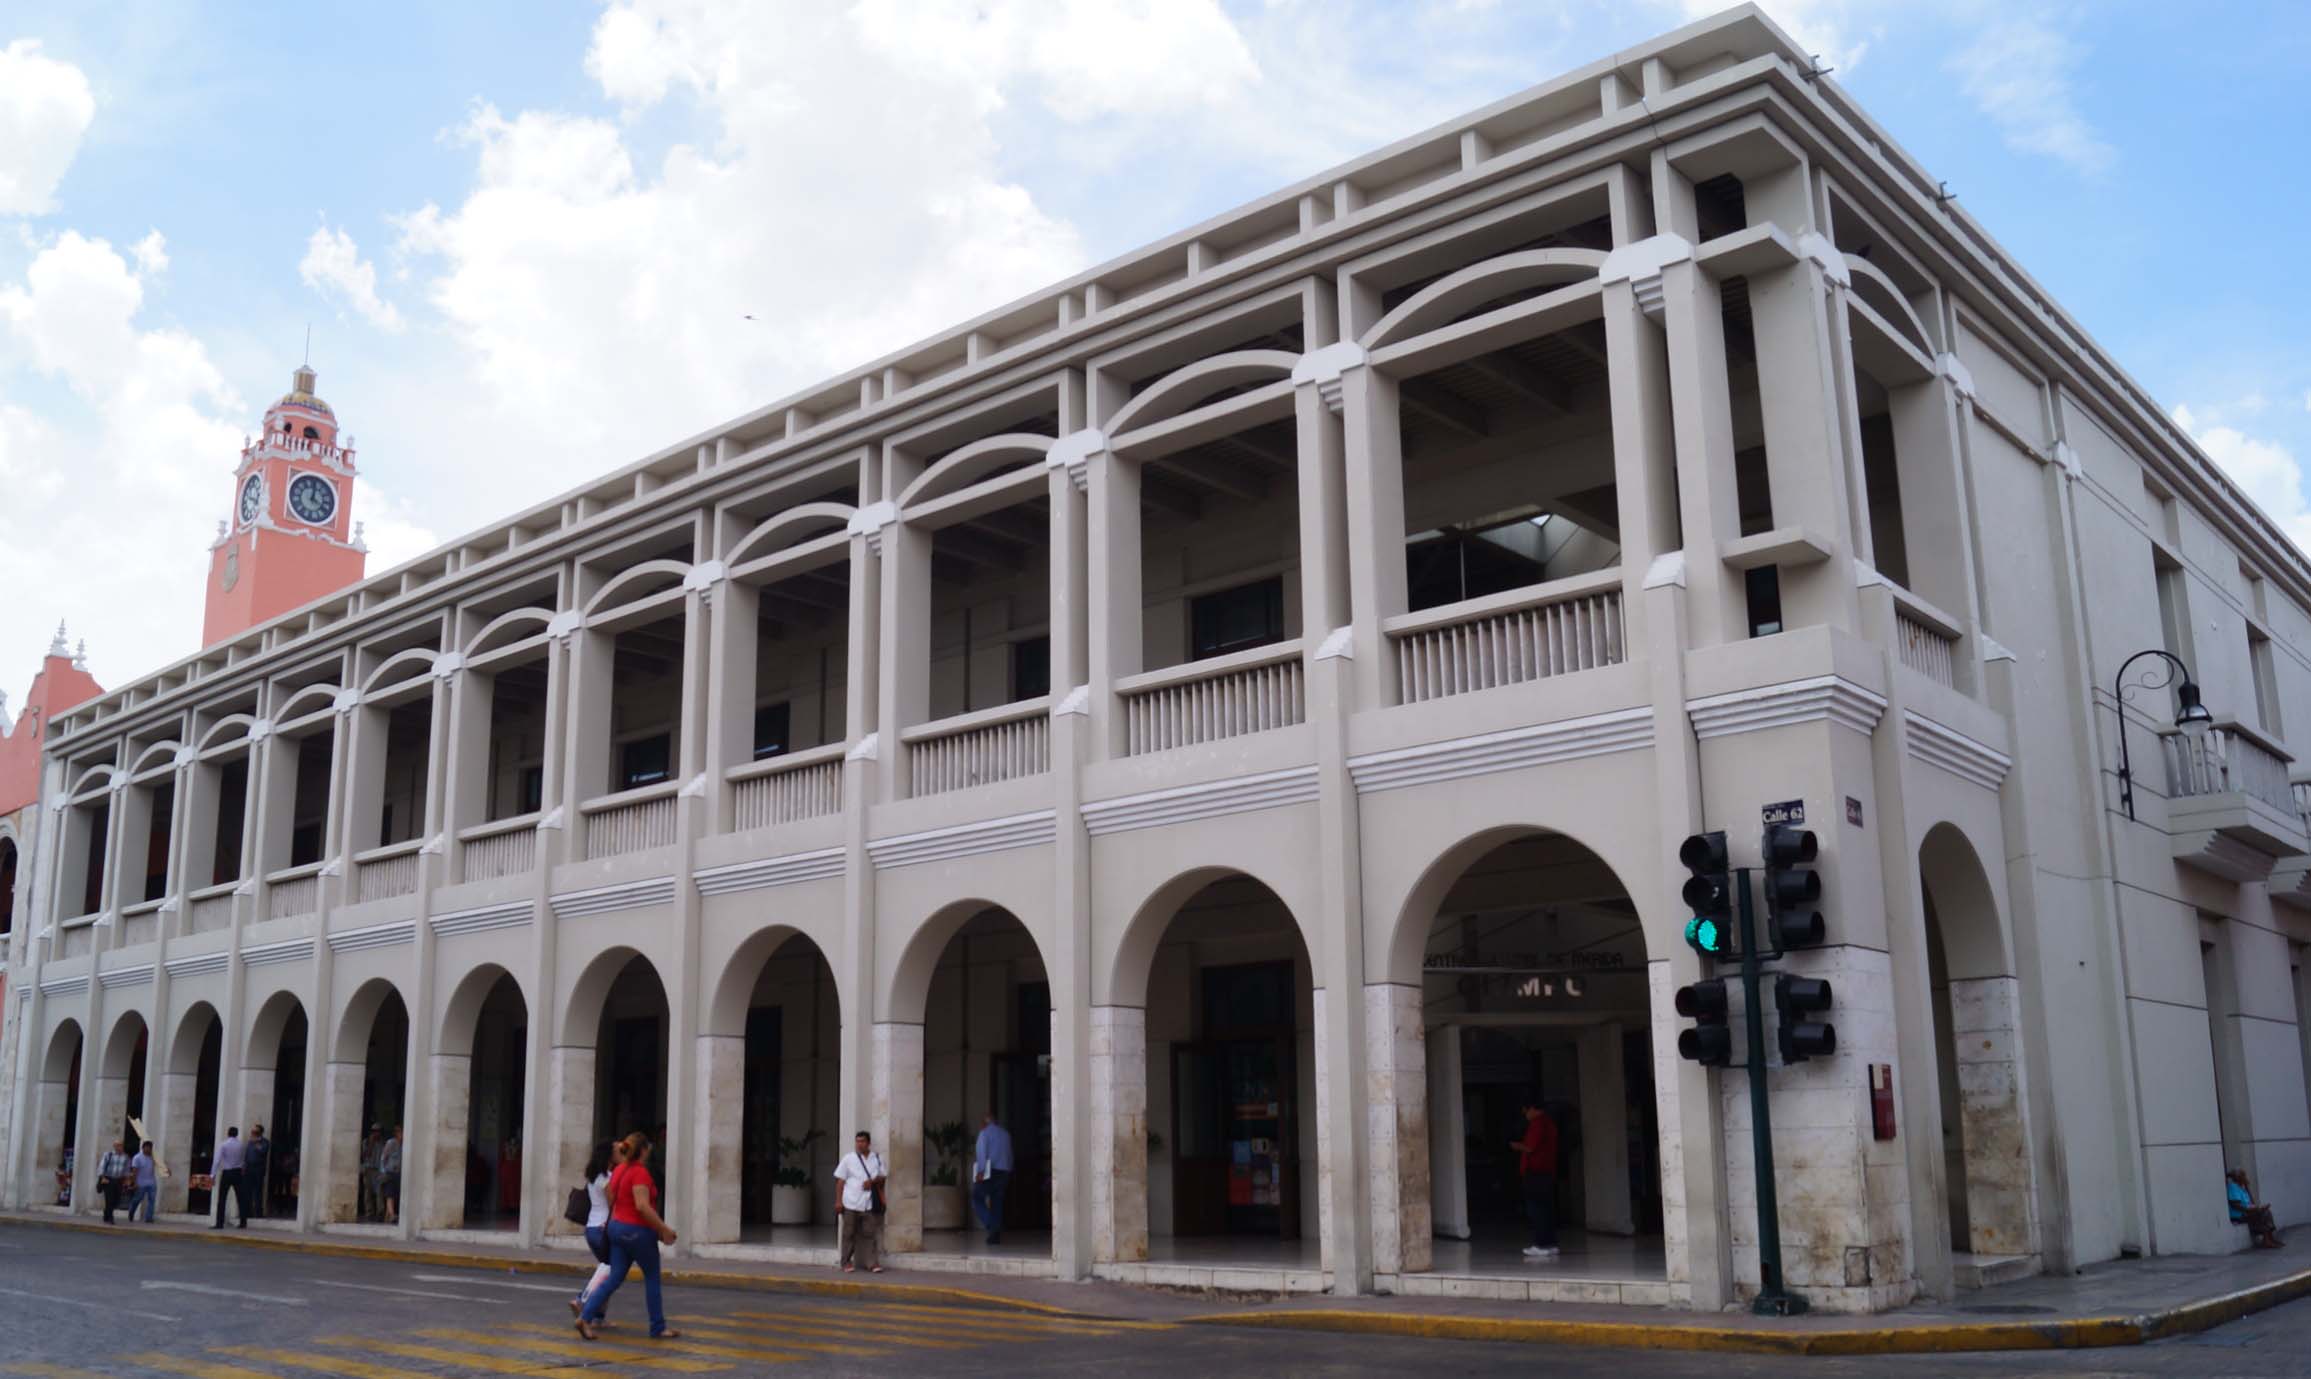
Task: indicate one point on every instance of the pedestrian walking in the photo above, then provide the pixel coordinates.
(231, 1160)
(112, 1178)
(257, 1154)
(145, 1171)
(636, 1232)
(389, 1175)
(862, 1173)
(991, 1176)
(607, 1156)
(1537, 1174)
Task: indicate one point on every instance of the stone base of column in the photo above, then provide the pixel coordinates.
(340, 1143)
(569, 1117)
(173, 1138)
(111, 1110)
(722, 1089)
(451, 1076)
(1118, 1133)
(48, 1151)
(1396, 1128)
(2001, 1191)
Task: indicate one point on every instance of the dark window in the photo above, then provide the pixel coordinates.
(645, 761)
(532, 790)
(156, 843)
(232, 818)
(1030, 668)
(772, 735)
(1248, 998)
(7, 884)
(1764, 589)
(92, 892)
(311, 434)
(1236, 619)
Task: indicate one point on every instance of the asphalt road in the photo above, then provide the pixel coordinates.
(75, 1303)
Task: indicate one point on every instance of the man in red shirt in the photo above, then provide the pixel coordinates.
(1537, 1174)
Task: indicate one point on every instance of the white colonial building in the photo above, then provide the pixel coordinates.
(1233, 715)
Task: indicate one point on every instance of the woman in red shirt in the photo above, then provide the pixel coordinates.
(636, 1232)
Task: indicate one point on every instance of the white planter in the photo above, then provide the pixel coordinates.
(942, 1208)
(790, 1206)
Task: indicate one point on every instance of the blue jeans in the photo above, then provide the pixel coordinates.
(636, 1246)
(143, 1197)
(598, 1241)
(987, 1200)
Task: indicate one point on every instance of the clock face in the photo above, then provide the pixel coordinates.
(252, 499)
(312, 499)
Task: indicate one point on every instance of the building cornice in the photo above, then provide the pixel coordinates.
(1818, 699)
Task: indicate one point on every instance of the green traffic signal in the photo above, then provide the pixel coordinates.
(1706, 936)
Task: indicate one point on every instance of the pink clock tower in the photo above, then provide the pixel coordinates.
(290, 539)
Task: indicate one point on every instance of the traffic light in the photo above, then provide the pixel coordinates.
(1792, 887)
(1710, 1041)
(1708, 894)
(1797, 1000)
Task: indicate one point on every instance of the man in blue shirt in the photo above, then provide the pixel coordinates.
(991, 1176)
(147, 1173)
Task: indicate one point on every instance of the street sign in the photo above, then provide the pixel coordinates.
(1786, 812)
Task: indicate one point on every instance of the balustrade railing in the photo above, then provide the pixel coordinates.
(1925, 639)
(293, 891)
(783, 790)
(2224, 759)
(1557, 628)
(140, 923)
(1220, 697)
(386, 872)
(630, 820)
(1004, 743)
(501, 847)
(210, 908)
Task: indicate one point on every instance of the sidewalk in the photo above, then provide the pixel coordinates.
(2125, 1302)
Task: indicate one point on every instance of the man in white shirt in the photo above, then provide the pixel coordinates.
(861, 1173)
(227, 1168)
(112, 1178)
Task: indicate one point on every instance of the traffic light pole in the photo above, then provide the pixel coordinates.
(1772, 1298)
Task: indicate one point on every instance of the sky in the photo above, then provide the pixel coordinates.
(535, 241)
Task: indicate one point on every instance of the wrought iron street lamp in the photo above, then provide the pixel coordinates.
(2191, 716)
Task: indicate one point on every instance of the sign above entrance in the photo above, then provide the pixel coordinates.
(1786, 812)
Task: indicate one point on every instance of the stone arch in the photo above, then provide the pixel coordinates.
(1143, 933)
(725, 1014)
(910, 984)
(418, 659)
(267, 1027)
(770, 1042)
(120, 1046)
(360, 1016)
(582, 1008)
(1408, 931)
(1449, 296)
(1872, 285)
(56, 1113)
(1988, 1179)
(509, 627)
(93, 782)
(226, 731)
(479, 1077)
(185, 1131)
(635, 584)
(64, 1043)
(790, 527)
(158, 754)
(192, 1028)
(360, 1094)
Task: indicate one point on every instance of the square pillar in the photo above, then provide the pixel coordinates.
(721, 1133)
(336, 1132)
(173, 1138)
(1396, 1134)
(898, 1129)
(569, 1120)
(1604, 1133)
(1447, 1136)
(1994, 1117)
(450, 1076)
(1119, 1133)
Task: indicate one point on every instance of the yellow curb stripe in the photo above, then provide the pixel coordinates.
(576, 1348)
(44, 1370)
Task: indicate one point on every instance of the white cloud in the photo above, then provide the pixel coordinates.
(1836, 30)
(45, 106)
(2266, 469)
(333, 267)
(392, 531)
(2018, 73)
(151, 254)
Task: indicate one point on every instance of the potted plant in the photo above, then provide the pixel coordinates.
(790, 1184)
(943, 1193)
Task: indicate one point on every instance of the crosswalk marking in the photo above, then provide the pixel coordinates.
(1001, 1327)
(835, 1321)
(717, 1348)
(307, 1359)
(706, 1330)
(199, 1369)
(845, 1329)
(577, 1348)
(442, 1355)
(1052, 1319)
(43, 1370)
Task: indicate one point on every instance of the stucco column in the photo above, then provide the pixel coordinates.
(449, 1079)
(1811, 445)
(722, 1113)
(1604, 1132)
(47, 1149)
(1373, 468)
(905, 651)
(1112, 548)
(1447, 1136)
(542, 1174)
(586, 745)
(339, 1126)
(111, 1109)
(897, 1119)
(257, 1109)
(1396, 1135)
(1118, 1133)
(1994, 1116)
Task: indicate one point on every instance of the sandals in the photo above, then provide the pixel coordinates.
(669, 1334)
(586, 1329)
